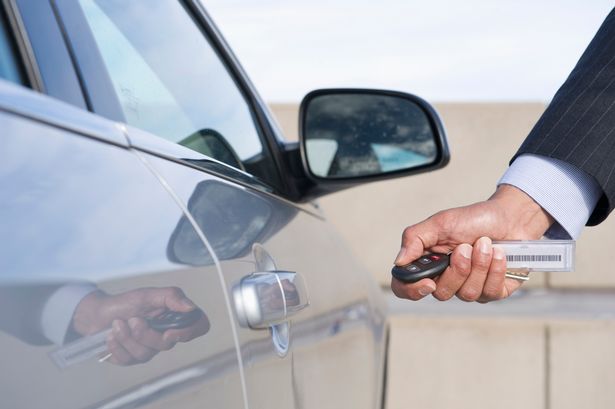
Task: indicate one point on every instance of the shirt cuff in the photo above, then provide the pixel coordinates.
(567, 193)
(59, 309)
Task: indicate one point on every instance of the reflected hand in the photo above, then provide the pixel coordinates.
(476, 272)
(132, 340)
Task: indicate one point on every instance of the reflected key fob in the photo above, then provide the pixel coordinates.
(427, 266)
(175, 320)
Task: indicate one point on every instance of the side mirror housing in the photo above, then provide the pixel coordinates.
(353, 136)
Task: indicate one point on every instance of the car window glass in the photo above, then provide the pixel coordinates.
(9, 61)
(170, 81)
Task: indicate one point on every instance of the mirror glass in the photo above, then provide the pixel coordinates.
(351, 135)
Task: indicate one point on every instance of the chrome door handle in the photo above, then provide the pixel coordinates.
(265, 299)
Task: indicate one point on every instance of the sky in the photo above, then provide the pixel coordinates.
(441, 50)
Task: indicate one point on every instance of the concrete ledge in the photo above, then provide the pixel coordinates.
(466, 363)
(538, 349)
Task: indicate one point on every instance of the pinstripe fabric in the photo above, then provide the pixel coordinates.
(578, 126)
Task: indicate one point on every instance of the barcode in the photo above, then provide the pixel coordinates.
(534, 257)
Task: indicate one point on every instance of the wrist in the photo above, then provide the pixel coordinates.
(527, 220)
(89, 314)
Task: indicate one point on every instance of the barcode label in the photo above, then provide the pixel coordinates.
(538, 255)
(533, 257)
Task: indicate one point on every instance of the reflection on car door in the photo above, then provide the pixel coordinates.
(335, 346)
(82, 215)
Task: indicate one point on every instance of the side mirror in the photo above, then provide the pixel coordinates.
(351, 136)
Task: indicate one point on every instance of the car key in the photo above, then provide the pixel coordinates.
(94, 346)
(427, 266)
(175, 320)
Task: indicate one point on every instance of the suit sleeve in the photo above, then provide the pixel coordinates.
(578, 126)
(21, 307)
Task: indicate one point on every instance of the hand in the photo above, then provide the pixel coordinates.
(131, 340)
(476, 273)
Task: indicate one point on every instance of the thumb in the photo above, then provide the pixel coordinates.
(174, 299)
(415, 240)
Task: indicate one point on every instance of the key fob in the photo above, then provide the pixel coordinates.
(175, 320)
(427, 266)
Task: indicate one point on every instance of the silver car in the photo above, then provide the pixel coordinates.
(160, 243)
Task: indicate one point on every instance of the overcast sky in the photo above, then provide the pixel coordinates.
(442, 50)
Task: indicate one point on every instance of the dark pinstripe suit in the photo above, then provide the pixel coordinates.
(578, 126)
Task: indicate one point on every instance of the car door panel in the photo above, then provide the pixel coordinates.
(336, 344)
(78, 211)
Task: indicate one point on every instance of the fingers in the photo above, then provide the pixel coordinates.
(147, 336)
(476, 273)
(413, 291)
(172, 298)
(494, 284)
(125, 349)
(187, 334)
(415, 239)
(473, 287)
(456, 274)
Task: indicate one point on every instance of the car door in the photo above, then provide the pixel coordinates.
(81, 216)
(198, 125)
(86, 230)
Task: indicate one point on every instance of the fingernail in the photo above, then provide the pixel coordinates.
(465, 250)
(484, 245)
(187, 303)
(498, 253)
(116, 326)
(426, 291)
(400, 255)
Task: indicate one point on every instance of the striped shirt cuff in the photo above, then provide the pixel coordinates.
(567, 193)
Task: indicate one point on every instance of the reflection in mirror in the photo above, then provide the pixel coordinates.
(361, 134)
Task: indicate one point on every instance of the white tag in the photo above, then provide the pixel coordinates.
(539, 255)
(93, 346)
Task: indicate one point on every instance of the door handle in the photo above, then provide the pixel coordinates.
(265, 299)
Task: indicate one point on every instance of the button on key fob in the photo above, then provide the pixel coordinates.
(175, 320)
(427, 266)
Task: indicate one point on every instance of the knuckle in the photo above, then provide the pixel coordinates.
(408, 232)
(463, 269)
(468, 294)
(138, 330)
(444, 220)
(442, 294)
(491, 293)
(175, 292)
(481, 261)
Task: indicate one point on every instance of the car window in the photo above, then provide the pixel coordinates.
(9, 61)
(171, 82)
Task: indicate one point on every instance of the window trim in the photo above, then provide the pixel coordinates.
(98, 89)
(24, 52)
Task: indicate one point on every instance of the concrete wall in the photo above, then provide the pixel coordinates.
(550, 346)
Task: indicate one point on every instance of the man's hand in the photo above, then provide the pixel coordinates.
(476, 273)
(132, 340)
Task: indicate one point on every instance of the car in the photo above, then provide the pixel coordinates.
(161, 241)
